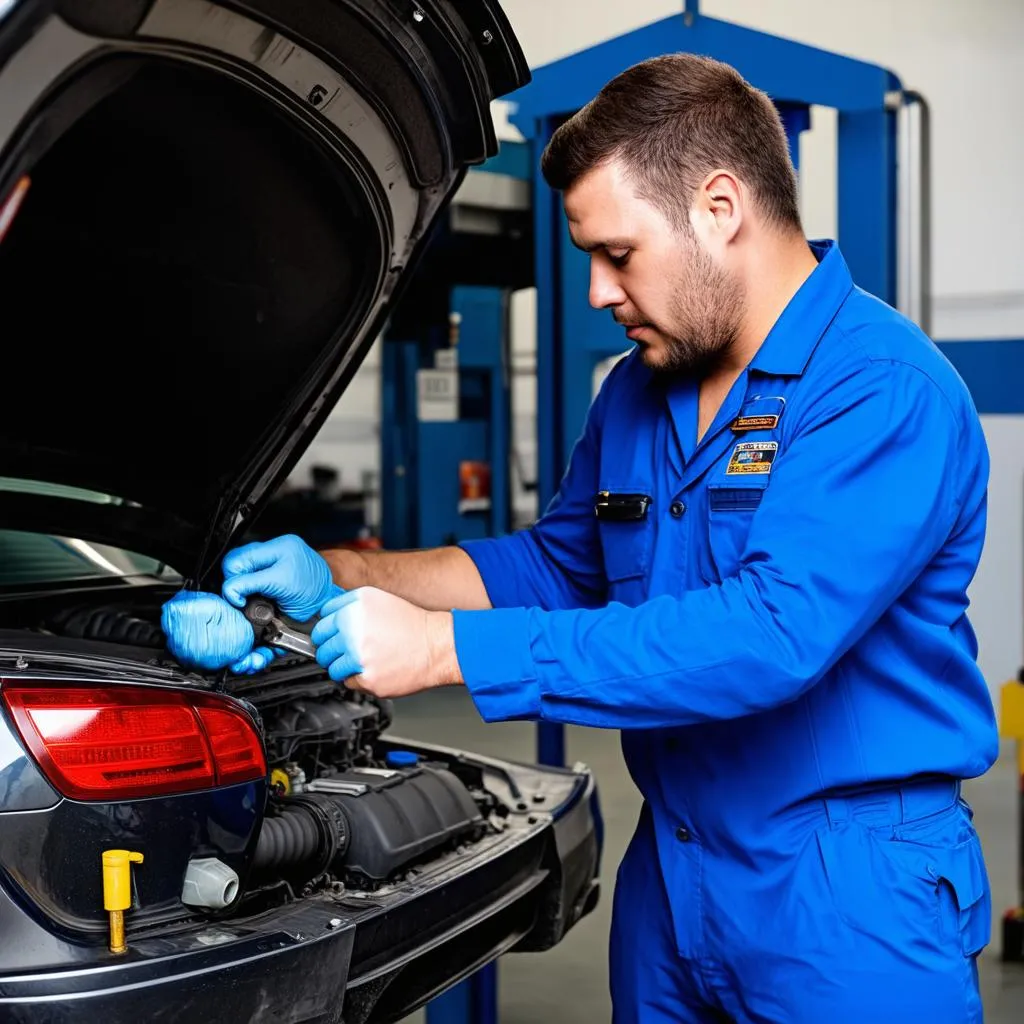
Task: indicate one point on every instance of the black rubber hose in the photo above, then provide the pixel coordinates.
(294, 836)
(308, 831)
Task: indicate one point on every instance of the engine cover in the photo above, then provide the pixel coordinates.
(397, 816)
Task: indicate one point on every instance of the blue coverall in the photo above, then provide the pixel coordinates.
(782, 639)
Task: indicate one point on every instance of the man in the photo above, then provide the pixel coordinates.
(756, 568)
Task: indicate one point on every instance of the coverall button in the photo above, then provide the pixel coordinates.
(677, 508)
(683, 834)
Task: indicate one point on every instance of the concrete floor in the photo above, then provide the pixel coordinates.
(570, 983)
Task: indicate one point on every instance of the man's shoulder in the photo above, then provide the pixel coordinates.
(869, 338)
(626, 376)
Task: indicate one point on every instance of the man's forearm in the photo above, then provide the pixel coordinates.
(437, 579)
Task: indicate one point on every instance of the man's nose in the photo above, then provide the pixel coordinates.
(605, 290)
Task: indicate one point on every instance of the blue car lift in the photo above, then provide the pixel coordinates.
(573, 338)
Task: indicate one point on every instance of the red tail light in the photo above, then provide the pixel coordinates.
(123, 742)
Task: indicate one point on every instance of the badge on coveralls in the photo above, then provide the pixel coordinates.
(762, 412)
(752, 457)
(742, 424)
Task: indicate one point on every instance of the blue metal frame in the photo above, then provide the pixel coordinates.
(572, 338)
(474, 1001)
(483, 349)
(420, 460)
(992, 370)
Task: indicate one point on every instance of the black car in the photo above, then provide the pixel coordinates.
(206, 212)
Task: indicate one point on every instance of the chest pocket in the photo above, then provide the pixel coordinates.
(626, 528)
(731, 509)
(738, 482)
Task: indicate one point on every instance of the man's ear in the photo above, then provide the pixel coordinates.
(718, 209)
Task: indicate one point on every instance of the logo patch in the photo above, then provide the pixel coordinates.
(752, 457)
(744, 423)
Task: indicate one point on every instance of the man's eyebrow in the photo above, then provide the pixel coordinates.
(607, 243)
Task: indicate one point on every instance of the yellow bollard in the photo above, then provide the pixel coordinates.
(1011, 718)
(1011, 727)
(117, 892)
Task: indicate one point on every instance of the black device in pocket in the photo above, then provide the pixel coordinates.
(621, 508)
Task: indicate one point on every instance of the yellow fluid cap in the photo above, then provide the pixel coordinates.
(279, 777)
(117, 878)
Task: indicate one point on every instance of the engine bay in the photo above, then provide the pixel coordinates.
(343, 811)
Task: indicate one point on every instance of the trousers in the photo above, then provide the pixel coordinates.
(880, 916)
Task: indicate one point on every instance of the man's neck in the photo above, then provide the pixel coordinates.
(774, 273)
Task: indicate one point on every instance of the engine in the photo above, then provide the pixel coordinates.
(313, 726)
(340, 808)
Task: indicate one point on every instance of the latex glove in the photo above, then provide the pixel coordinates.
(285, 569)
(376, 642)
(203, 631)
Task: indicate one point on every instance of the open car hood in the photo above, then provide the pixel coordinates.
(206, 213)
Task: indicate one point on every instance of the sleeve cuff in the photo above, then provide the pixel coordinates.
(493, 648)
(490, 556)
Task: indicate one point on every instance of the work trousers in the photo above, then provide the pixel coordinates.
(881, 913)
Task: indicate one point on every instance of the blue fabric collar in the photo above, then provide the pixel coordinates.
(790, 342)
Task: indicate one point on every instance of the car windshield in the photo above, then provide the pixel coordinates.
(29, 557)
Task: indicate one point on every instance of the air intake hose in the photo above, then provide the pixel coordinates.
(308, 831)
(367, 823)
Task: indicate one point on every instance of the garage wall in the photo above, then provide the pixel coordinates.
(965, 58)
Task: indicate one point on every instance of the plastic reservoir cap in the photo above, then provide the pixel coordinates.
(402, 758)
(209, 883)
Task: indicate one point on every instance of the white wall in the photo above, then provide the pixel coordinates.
(966, 58)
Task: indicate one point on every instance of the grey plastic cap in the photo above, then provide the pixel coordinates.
(209, 883)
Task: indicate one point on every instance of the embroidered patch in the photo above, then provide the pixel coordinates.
(744, 423)
(752, 457)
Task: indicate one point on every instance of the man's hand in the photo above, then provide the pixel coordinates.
(203, 631)
(285, 569)
(373, 641)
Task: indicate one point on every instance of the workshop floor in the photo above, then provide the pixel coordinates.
(574, 977)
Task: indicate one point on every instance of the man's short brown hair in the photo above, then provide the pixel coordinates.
(672, 120)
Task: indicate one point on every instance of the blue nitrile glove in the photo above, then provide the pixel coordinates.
(338, 636)
(285, 569)
(203, 631)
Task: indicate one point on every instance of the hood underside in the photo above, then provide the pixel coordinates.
(200, 262)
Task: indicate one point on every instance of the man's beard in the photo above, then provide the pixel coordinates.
(704, 320)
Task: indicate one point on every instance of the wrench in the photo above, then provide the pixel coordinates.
(275, 630)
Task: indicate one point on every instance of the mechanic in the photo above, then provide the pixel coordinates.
(756, 568)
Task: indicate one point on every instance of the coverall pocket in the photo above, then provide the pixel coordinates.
(627, 549)
(731, 509)
(965, 898)
(924, 884)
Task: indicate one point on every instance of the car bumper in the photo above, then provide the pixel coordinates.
(352, 957)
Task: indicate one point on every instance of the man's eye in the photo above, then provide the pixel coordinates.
(618, 256)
